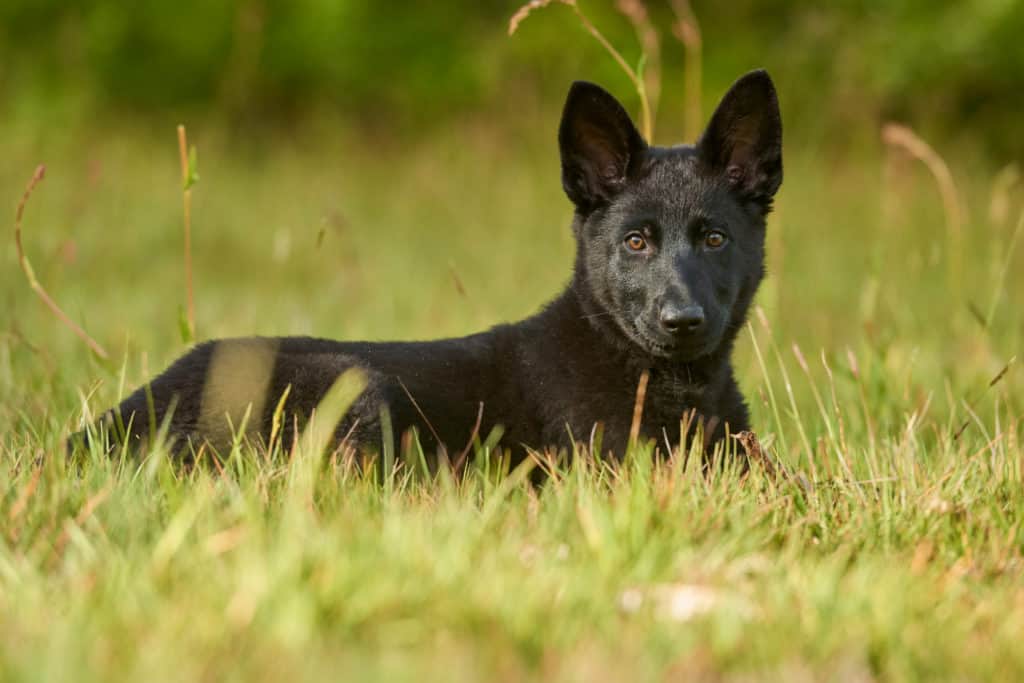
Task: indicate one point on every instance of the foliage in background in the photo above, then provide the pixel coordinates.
(947, 65)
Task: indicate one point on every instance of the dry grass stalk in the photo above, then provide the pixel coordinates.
(687, 30)
(638, 82)
(1005, 183)
(21, 503)
(638, 406)
(1004, 271)
(650, 43)
(460, 288)
(187, 205)
(524, 11)
(26, 268)
(464, 455)
(969, 405)
(901, 137)
(85, 513)
(426, 420)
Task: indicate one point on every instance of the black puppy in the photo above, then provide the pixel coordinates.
(670, 251)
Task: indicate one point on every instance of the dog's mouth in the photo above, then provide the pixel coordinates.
(653, 346)
(669, 349)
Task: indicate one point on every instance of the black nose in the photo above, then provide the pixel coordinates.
(681, 319)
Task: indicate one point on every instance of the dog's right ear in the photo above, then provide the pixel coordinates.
(601, 148)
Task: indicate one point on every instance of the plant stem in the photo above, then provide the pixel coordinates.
(187, 206)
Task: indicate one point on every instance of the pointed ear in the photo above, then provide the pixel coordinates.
(601, 148)
(743, 141)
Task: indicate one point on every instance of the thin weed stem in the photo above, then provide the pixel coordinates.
(187, 179)
(769, 388)
(524, 11)
(647, 35)
(898, 136)
(1000, 285)
(26, 268)
(638, 407)
(687, 30)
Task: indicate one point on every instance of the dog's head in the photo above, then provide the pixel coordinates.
(671, 239)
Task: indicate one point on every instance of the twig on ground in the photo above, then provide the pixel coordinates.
(774, 469)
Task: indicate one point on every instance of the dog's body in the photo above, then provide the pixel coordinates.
(670, 246)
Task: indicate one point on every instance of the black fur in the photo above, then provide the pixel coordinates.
(670, 251)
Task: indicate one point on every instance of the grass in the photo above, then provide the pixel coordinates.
(867, 371)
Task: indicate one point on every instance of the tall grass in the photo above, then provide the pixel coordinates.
(301, 566)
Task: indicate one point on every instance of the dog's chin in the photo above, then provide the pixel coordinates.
(660, 347)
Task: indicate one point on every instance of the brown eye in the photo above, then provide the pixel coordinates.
(636, 242)
(714, 239)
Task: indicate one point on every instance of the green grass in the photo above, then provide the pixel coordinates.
(902, 561)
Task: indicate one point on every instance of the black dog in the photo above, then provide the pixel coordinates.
(670, 251)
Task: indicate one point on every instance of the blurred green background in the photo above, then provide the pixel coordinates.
(947, 66)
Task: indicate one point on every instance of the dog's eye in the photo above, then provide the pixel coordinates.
(714, 239)
(636, 242)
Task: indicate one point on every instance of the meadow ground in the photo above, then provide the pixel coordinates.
(869, 369)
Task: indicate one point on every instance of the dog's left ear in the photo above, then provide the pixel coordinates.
(601, 148)
(743, 141)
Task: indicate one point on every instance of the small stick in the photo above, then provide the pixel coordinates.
(772, 467)
(755, 454)
(416, 405)
(26, 268)
(472, 436)
(638, 406)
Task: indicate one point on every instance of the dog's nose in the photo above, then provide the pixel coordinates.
(681, 319)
